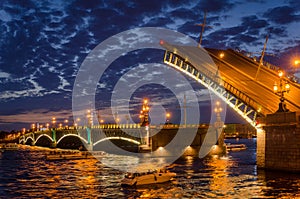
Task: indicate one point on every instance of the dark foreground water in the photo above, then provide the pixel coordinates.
(26, 174)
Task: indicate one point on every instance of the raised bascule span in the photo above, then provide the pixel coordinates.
(232, 78)
(257, 91)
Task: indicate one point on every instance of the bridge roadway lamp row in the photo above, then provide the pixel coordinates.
(224, 90)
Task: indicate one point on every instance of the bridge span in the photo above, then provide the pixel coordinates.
(232, 78)
(130, 137)
(79, 136)
(248, 86)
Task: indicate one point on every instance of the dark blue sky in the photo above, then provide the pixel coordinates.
(43, 44)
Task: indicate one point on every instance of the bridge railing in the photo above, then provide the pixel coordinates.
(265, 64)
(239, 101)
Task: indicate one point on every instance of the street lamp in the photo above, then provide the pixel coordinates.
(53, 122)
(168, 115)
(67, 123)
(221, 55)
(89, 117)
(218, 108)
(144, 113)
(219, 124)
(296, 63)
(280, 89)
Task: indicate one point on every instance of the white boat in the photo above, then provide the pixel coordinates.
(8, 147)
(150, 177)
(235, 147)
(71, 155)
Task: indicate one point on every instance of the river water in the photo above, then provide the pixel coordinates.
(26, 174)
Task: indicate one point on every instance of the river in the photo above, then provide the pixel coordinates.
(26, 174)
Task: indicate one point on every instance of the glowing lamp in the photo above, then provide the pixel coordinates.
(275, 87)
(287, 87)
(221, 55)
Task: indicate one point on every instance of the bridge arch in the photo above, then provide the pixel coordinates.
(117, 138)
(43, 135)
(22, 140)
(27, 140)
(74, 135)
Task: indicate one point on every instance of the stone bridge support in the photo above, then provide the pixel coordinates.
(278, 144)
(54, 142)
(89, 146)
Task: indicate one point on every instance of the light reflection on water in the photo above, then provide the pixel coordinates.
(26, 174)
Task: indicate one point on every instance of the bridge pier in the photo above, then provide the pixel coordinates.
(53, 145)
(278, 142)
(54, 142)
(89, 145)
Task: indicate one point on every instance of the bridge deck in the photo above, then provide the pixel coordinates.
(240, 71)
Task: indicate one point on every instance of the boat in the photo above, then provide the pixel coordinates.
(8, 147)
(150, 177)
(235, 147)
(71, 155)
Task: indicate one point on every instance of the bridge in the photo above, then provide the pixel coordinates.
(87, 136)
(247, 86)
(233, 80)
(130, 137)
(257, 91)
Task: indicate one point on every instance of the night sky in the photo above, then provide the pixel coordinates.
(43, 44)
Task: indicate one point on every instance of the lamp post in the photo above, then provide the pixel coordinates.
(67, 124)
(219, 124)
(89, 116)
(33, 127)
(296, 63)
(77, 122)
(168, 115)
(221, 56)
(280, 89)
(53, 122)
(144, 113)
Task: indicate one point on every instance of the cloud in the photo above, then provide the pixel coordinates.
(278, 31)
(294, 4)
(215, 5)
(252, 22)
(4, 75)
(4, 16)
(39, 115)
(282, 15)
